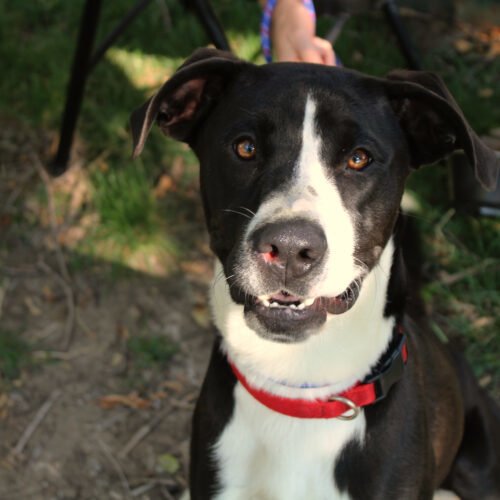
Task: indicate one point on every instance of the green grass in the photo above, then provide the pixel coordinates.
(13, 355)
(36, 48)
(153, 350)
(124, 200)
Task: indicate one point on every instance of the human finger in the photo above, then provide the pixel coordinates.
(326, 51)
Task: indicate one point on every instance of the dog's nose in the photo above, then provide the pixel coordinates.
(292, 247)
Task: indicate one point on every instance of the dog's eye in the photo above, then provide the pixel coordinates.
(359, 159)
(245, 148)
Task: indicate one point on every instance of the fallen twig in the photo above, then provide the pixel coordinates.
(63, 355)
(116, 465)
(451, 279)
(70, 301)
(81, 323)
(28, 271)
(64, 278)
(14, 195)
(37, 420)
(52, 216)
(144, 488)
(142, 432)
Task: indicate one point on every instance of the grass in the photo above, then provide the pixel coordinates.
(13, 355)
(148, 356)
(153, 350)
(37, 43)
(124, 199)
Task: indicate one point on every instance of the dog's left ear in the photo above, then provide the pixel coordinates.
(185, 98)
(434, 124)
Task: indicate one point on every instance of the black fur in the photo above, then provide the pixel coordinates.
(436, 427)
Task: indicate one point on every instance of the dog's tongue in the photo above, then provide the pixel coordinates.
(284, 297)
(334, 305)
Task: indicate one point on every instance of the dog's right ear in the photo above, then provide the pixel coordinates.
(435, 125)
(185, 98)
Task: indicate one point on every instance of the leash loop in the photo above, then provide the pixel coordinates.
(352, 407)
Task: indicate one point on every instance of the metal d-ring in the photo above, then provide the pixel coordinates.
(355, 409)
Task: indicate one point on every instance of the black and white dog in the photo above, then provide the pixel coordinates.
(320, 385)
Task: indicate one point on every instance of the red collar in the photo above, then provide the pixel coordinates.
(371, 390)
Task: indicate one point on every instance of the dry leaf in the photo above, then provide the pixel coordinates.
(164, 184)
(485, 93)
(33, 309)
(132, 400)
(174, 385)
(199, 270)
(47, 293)
(483, 321)
(157, 395)
(5, 220)
(117, 359)
(201, 315)
(462, 45)
(123, 331)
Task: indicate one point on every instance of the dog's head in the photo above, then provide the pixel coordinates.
(302, 172)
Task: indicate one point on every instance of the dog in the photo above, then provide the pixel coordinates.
(320, 384)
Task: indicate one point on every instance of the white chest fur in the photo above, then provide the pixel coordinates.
(268, 456)
(264, 455)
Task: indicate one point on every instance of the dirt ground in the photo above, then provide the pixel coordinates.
(84, 419)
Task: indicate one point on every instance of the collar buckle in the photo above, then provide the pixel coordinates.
(353, 409)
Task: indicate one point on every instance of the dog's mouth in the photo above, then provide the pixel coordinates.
(334, 305)
(288, 318)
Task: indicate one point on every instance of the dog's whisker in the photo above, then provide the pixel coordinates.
(236, 212)
(248, 210)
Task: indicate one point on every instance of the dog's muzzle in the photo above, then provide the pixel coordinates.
(289, 257)
(289, 251)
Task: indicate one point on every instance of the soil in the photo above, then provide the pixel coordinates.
(100, 391)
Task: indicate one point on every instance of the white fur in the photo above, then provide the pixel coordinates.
(313, 196)
(268, 456)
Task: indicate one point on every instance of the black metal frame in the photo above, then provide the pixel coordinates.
(391, 12)
(84, 60)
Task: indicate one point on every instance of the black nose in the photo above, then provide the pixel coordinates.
(292, 247)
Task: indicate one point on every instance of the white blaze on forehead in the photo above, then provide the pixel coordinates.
(313, 195)
(325, 204)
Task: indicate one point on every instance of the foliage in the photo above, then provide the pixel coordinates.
(13, 352)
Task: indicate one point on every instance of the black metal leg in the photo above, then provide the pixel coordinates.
(117, 31)
(391, 11)
(76, 86)
(84, 62)
(208, 20)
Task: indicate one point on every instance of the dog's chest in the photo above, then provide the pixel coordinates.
(268, 456)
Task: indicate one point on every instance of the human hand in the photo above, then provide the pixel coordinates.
(293, 35)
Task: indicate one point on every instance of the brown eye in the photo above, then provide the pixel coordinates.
(245, 149)
(359, 159)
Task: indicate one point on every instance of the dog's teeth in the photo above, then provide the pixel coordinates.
(293, 306)
(301, 306)
(264, 300)
(308, 302)
(274, 304)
